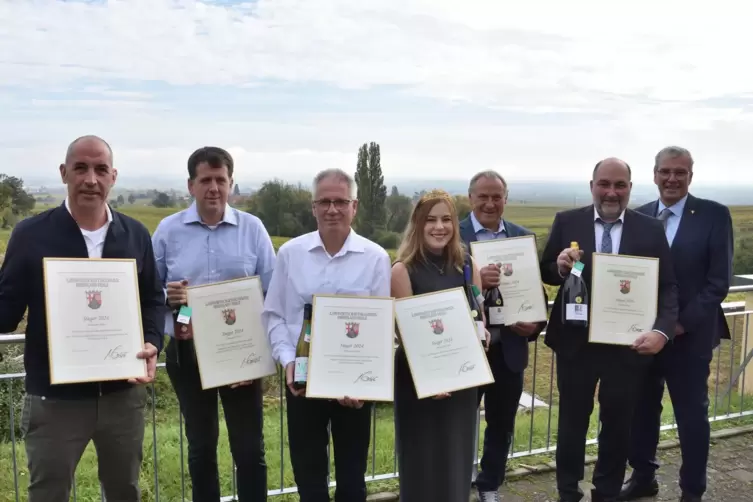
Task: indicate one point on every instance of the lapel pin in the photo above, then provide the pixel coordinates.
(692, 211)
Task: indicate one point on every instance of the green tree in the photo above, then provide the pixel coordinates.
(237, 190)
(285, 209)
(163, 200)
(398, 209)
(372, 194)
(15, 201)
(131, 198)
(121, 200)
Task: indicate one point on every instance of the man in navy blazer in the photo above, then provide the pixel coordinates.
(700, 235)
(508, 350)
(60, 420)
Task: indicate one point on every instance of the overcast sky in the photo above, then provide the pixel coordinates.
(535, 89)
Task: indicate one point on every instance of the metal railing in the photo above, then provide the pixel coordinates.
(534, 427)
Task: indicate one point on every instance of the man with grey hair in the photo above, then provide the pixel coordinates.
(60, 420)
(331, 260)
(700, 235)
(508, 349)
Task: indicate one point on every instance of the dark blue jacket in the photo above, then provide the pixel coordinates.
(54, 233)
(702, 253)
(514, 346)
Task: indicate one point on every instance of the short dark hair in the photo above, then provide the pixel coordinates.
(598, 164)
(215, 156)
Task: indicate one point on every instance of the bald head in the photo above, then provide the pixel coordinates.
(87, 141)
(611, 162)
(89, 174)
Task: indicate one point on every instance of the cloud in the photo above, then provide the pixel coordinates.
(535, 87)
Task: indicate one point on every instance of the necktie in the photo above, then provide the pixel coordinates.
(664, 216)
(606, 238)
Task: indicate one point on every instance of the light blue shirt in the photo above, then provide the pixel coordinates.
(484, 234)
(186, 248)
(673, 222)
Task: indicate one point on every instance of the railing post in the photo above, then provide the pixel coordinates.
(745, 383)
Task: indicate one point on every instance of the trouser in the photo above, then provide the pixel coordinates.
(243, 411)
(57, 431)
(686, 375)
(501, 401)
(618, 372)
(308, 438)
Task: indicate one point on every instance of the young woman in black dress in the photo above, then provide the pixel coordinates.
(435, 436)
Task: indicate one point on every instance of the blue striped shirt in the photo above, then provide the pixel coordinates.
(186, 248)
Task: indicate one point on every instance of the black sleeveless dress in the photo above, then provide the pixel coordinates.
(435, 437)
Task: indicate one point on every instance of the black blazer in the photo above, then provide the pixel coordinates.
(641, 236)
(702, 253)
(514, 346)
(54, 233)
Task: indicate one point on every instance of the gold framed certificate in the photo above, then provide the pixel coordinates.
(94, 327)
(229, 336)
(624, 297)
(441, 344)
(351, 352)
(520, 279)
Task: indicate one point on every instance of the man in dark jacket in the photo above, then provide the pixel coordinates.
(59, 420)
(508, 349)
(700, 235)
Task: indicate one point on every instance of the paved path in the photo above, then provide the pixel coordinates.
(730, 476)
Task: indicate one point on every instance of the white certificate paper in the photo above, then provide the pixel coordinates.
(229, 337)
(439, 337)
(351, 352)
(520, 280)
(94, 329)
(624, 296)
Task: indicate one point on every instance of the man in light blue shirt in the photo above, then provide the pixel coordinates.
(207, 243)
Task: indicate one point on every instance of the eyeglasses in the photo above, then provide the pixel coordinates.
(324, 204)
(680, 174)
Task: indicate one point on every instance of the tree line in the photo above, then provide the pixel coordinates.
(285, 208)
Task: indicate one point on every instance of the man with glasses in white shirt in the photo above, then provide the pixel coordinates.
(334, 259)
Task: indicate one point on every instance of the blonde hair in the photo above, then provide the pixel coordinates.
(413, 247)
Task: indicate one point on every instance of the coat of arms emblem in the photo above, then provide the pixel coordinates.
(437, 326)
(351, 329)
(94, 299)
(229, 315)
(507, 269)
(624, 287)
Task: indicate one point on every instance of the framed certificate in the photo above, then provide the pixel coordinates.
(94, 329)
(624, 296)
(440, 341)
(229, 337)
(351, 352)
(520, 279)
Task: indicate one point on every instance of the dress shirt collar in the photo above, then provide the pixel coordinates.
(478, 227)
(107, 209)
(676, 208)
(621, 219)
(192, 215)
(351, 244)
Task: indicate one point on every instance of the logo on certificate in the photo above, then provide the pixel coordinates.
(624, 287)
(437, 326)
(351, 329)
(507, 269)
(229, 315)
(94, 299)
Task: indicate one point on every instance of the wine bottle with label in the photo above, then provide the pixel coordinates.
(575, 296)
(493, 304)
(300, 374)
(475, 299)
